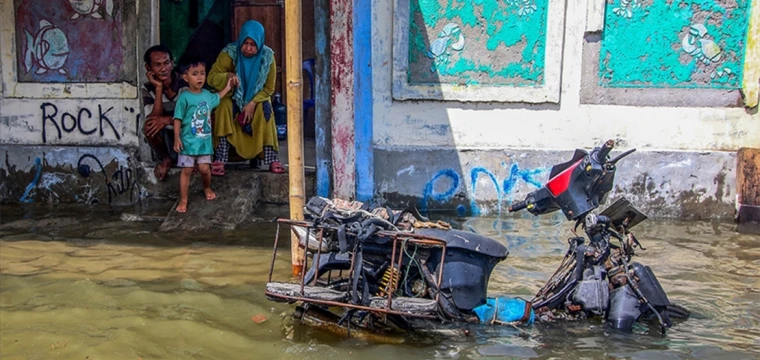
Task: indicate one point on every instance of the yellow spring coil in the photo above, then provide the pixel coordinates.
(389, 282)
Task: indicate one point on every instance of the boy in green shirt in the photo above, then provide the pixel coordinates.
(192, 129)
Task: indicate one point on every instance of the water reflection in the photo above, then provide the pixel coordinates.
(82, 284)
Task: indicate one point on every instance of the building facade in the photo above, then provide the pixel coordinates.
(466, 105)
(455, 105)
(69, 112)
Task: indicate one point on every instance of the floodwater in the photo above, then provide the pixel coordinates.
(78, 283)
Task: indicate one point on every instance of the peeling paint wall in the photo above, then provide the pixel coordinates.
(342, 97)
(476, 50)
(687, 43)
(477, 42)
(486, 182)
(75, 41)
(70, 120)
(92, 175)
(687, 129)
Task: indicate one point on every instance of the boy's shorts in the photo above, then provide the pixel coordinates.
(186, 161)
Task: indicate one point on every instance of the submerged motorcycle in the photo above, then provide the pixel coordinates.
(380, 271)
(376, 270)
(597, 277)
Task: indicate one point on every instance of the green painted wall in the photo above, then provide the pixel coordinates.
(674, 44)
(470, 42)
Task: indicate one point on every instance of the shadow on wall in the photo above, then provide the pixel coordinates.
(434, 44)
(475, 46)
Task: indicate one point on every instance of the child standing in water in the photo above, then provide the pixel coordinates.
(192, 129)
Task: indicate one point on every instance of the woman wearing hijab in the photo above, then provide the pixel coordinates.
(244, 118)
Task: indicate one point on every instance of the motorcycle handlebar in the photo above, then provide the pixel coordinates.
(601, 155)
(518, 206)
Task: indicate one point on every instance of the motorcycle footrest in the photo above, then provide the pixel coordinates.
(311, 292)
(406, 304)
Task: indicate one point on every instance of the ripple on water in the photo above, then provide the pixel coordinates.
(130, 293)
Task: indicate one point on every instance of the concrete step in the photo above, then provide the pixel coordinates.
(239, 193)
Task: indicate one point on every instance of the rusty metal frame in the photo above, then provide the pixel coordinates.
(406, 238)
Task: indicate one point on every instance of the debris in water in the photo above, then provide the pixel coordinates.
(258, 318)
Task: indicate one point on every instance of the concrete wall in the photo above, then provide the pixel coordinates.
(675, 102)
(69, 112)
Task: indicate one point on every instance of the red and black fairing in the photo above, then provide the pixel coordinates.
(576, 186)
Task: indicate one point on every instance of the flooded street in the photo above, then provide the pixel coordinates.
(79, 283)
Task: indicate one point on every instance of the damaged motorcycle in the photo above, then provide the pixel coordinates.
(378, 271)
(597, 278)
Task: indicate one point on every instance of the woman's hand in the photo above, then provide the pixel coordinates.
(233, 79)
(248, 111)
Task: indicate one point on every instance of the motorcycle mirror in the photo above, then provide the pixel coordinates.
(617, 158)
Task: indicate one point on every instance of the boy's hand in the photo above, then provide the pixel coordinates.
(232, 77)
(178, 145)
(229, 84)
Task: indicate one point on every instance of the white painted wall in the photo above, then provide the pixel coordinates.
(77, 122)
(83, 114)
(567, 126)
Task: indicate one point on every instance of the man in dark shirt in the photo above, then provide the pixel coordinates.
(159, 95)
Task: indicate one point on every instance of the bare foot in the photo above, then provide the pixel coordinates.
(210, 194)
(162, 169)
(182, 207)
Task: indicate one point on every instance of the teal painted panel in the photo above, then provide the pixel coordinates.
(673, 44)
(477, 42)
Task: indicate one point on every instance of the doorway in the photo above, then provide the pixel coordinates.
(202, 28)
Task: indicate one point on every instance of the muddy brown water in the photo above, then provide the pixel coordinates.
(79, 283)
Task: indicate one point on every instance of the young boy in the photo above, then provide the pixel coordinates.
(192, 129)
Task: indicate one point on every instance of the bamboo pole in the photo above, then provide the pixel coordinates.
(293, 69)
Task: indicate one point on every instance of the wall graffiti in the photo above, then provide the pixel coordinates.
(92, 8)
(121, 183)
(685, 44)
(80, 121)
(27, 196)
(451, 181)
(73, 41)
(477, 42)
(48, 48)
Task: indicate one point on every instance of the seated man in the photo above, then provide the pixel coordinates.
(159, 95)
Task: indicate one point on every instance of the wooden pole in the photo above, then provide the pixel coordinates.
(748, 190)
(293, 69)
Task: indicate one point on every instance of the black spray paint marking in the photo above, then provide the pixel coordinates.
(69, 123)
(120, 182)
(137, 120)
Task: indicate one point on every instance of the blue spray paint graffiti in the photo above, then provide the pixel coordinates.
(429, 193)
(474, 208)
(503, 192)
(26, 198)
(527, 175)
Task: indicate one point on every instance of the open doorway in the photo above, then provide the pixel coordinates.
(202, 28)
